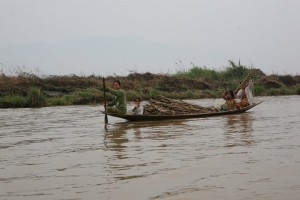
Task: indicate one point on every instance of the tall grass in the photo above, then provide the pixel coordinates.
(198, 72)
(258, 90)
(232, 72)
(35, 98)
(58, 101)
(85, 96)
(298, 90)
(15, 101)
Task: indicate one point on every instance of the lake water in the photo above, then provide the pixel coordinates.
(65, 153)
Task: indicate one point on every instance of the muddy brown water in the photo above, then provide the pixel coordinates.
(66, 153)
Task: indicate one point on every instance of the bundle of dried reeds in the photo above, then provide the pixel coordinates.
(166, 106)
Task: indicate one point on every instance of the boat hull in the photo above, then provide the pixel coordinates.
(186, 116)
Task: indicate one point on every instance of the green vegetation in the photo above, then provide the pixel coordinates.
(298, 90)
(35, 98)
(197, 72)
(15, 101)
(29, 90)
(58, 101)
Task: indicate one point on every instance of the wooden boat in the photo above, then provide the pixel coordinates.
(186, 116)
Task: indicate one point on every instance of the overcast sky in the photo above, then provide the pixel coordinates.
(105, 37)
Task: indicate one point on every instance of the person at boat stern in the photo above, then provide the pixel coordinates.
(245, 94)
(118, 104)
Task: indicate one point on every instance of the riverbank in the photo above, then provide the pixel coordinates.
(29, 90)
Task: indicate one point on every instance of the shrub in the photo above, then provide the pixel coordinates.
(235, 71)
(258, 89)
(58, 101)
(154, 93)
(298, 90)
(274, 92)
(15, 101)
(288, 80)
(35, 98)
(84, 96)
(130, 95)
(284, 91)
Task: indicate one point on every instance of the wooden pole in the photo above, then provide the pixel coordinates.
(104, 97)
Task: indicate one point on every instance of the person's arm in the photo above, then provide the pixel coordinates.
(117, 93)
(133, 109)
(239, 94)
(112, 103)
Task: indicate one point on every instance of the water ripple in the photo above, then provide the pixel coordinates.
(67, 153)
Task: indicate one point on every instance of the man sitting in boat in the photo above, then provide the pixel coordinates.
(118, 104)
(230, 103)
(245, 94)
(137, 109)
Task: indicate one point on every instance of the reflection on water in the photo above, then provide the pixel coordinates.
(117, 134)
(118, 138)
(68, 153)
(240, 123)
(136, 145)
(239, 130)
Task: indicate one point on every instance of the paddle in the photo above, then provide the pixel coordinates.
(237, 89)
(104, 96)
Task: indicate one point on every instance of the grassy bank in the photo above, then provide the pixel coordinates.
(29, 90)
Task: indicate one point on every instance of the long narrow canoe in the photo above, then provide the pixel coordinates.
(166, 117)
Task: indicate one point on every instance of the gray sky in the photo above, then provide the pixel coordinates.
(105, 37)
